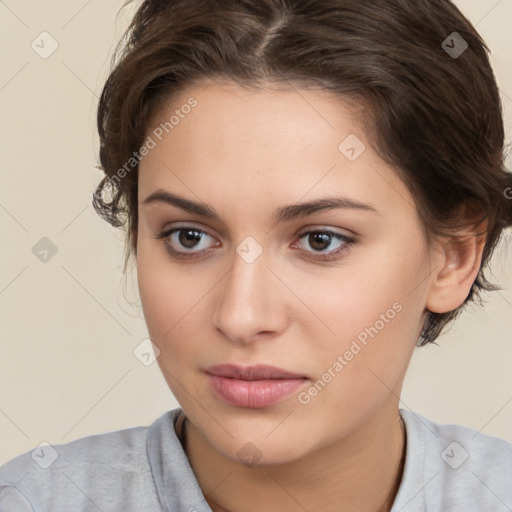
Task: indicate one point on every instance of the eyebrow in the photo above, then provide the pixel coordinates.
(283, 214)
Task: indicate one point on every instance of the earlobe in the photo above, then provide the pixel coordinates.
(458, 261)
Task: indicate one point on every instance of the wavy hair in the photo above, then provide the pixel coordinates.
(431, 105)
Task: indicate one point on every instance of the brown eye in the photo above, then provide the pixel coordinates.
(321, 240)
(189, 237)
(186, 241)
(317, 242)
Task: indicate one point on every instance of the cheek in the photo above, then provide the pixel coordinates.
(171, 305)
(176, 310)
(374, 317)
(374, 289)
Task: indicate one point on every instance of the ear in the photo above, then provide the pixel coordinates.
(457, 260)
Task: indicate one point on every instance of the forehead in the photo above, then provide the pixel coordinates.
(286, 108)
(285, 144)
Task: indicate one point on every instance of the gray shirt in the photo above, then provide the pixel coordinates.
(448, 468)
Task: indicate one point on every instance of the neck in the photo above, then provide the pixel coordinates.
(359, 472)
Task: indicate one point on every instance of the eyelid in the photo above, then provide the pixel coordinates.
(326, 227)
(304, 229)
(165, 232)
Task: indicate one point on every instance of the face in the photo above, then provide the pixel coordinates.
(335, 296)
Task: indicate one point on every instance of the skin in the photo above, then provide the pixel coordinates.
(246, 153)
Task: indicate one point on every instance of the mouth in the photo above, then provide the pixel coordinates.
(253, 387)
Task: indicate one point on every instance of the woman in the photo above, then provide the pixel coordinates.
(310, 189)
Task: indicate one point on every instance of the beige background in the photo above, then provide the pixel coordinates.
(69, 328)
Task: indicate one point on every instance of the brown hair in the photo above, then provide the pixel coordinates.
(433, 113)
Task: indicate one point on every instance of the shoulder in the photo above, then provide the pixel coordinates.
(110, 470)
(452, 467)
(118, 450)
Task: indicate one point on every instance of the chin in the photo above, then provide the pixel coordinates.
(260, 452)
(254, 442)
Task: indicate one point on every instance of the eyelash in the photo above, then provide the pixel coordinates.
(335, 254)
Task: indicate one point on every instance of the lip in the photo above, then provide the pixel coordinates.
(253, 387)
(256, 372)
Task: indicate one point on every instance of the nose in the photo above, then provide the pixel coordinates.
(249, 303)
